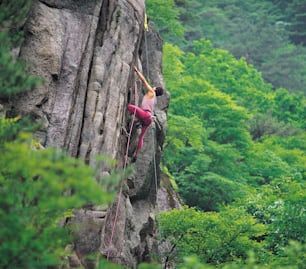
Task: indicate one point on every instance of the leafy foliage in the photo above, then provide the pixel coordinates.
(290, 108)
(235, 137)
(12, 72)
(281, 206)
(261, 32)
(214, 237)
(208, 191)
(294, 15)
(37, 187)
(164, 15)
(13, 14)
(218, 105)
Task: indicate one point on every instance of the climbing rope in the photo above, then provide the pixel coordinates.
(146, 26)
(128, 143)
(124, 168)
(154, 159)
(155, 121)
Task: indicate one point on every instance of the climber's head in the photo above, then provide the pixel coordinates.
(159, 91)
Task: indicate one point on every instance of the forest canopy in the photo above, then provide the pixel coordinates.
(269, 34)
(236, 131)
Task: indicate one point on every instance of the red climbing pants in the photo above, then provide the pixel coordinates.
(145, 118)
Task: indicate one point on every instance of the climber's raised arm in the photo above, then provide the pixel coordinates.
(146, 111)
(150, 90)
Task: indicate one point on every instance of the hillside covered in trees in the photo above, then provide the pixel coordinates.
(235, 146)
(269, 34)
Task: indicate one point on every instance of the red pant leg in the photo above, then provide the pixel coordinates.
(141, 114)
(146, 120)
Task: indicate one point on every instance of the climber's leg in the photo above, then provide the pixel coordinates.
(140, 113)
(146, 119)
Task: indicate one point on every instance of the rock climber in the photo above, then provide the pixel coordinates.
(145, 112)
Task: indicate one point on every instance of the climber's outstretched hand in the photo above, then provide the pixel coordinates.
(150, 91)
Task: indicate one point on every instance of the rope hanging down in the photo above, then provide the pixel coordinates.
(154, 159)
(124, 168)
(146, 27)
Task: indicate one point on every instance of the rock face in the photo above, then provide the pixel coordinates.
(85, 51)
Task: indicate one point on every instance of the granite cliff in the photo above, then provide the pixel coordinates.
(85, 52)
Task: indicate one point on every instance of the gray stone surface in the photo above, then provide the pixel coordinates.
(85, 51)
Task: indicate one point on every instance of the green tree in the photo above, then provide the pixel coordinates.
(165, 15)
(295, 11)
(290, 108)
(257, 31)
(12, 72)
(224, 147)
(280, 205)
(229, 130)
(208, 191)
(173, 68)
(33, 184)
(223, 119)
(215, 238)
(13, 14)
(290, 150)
(184, 134)
(264, 165)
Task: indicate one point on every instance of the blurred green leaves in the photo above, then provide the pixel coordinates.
(37, 187)
(13, 78)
